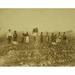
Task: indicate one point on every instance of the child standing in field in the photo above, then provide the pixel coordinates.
(9, 36)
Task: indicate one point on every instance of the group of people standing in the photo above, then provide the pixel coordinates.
(13, 37)
(53, 39)
(25, 37)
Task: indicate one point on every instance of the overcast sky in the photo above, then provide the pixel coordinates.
(44, 19)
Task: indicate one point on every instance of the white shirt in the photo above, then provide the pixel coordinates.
(9, 34)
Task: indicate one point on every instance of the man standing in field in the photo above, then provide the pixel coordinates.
(41, 37)
(47, 37)
(9, 36)
(27, 40)
(23, 37)
(15, 37)
(64, 38)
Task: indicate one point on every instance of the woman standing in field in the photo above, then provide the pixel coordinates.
(27, 38)
(58, 40)
(47, 37)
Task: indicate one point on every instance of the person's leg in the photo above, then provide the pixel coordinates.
(22, 40)
(8, 39)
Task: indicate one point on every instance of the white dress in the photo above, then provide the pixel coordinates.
(9, 34)
(27, 39)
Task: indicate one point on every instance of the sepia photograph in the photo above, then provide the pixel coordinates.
(37, 37)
